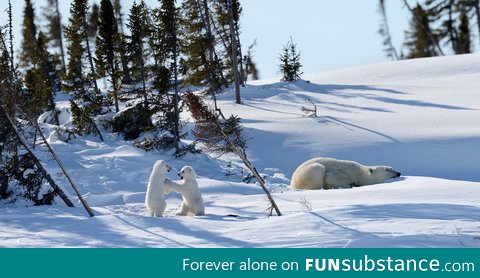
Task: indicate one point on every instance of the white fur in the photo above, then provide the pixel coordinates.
(329, 173)
(188, 187)
(154, 200)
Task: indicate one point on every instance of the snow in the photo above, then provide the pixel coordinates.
(418, 116)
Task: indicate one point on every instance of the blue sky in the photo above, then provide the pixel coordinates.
(329, 34)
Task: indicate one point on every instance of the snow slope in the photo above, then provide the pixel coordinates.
(420, 116)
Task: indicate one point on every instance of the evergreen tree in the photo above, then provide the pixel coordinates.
(29, 34)
(290, 62)
(136, 49)
(464, 42)
(136, 118)
(419, 41)
(107, 46)
(75, 79)
(250, 68)
(227, 26)
(117, 7)
(54, 26)
(222, 137)
(384, 31)
(121, 40)
(168, 50)
(42, 83)
(92, 22)
(200, 64)
(249, 64)
(88, 101)
(20, 175)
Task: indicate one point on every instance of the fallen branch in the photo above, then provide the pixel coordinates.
(37, 162)
(310, 112)
(80, 197)
(210, 131)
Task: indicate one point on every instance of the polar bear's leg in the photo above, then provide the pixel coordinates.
(310, 176)
(158, 213)
(338, 179)
(159, 208)
(184, 210)
(198, 209)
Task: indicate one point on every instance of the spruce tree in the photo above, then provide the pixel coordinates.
(235, 47)
(88, 101)
(419, 40)
(121, 40)
(227, 26)
(54, 33)
(201, 64)
(21, 174)
(464, 41)
(249, 65)
(136, 119)
(107, 46)
(250, 68)
(42, 83)
(290, 62)
(167, 45)
(92, 21)
(117, 7)
(136, 50)
(384, 31)
(75, 78)
(29, 34)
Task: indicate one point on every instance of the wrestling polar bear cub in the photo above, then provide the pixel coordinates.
(329, 173)
(154, 200)
(188, 187)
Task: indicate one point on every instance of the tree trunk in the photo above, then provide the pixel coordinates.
(39, 165)
(10, 32)
(477, 12)
(80, 197)
(242, 71)
(115, 85)
(90, 57)
(243, 156)
(144, 86)
(393, 51)
(176, 131)
(211, 50)
(452, 30)
(234, 55)
(60, 39)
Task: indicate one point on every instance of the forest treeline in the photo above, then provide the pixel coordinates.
(124, 70)
(436, 28)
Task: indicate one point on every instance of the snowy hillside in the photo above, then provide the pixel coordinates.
(420, 116)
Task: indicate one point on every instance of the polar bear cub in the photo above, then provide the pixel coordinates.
(188, 187)
(154, 200)
(329, 173)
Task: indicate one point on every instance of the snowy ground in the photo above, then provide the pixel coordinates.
(421, 117)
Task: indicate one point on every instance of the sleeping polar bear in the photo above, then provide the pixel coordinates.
(329, 173)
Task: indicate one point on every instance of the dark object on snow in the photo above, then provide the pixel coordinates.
(132, 122)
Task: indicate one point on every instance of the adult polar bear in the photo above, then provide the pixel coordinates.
(327, 173)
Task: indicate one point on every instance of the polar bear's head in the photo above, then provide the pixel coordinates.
(187, 173)
(161, 168)
(382, 173)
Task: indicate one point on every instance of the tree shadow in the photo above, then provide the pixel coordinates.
(326, 119)
(424, 211)
(346, 91)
